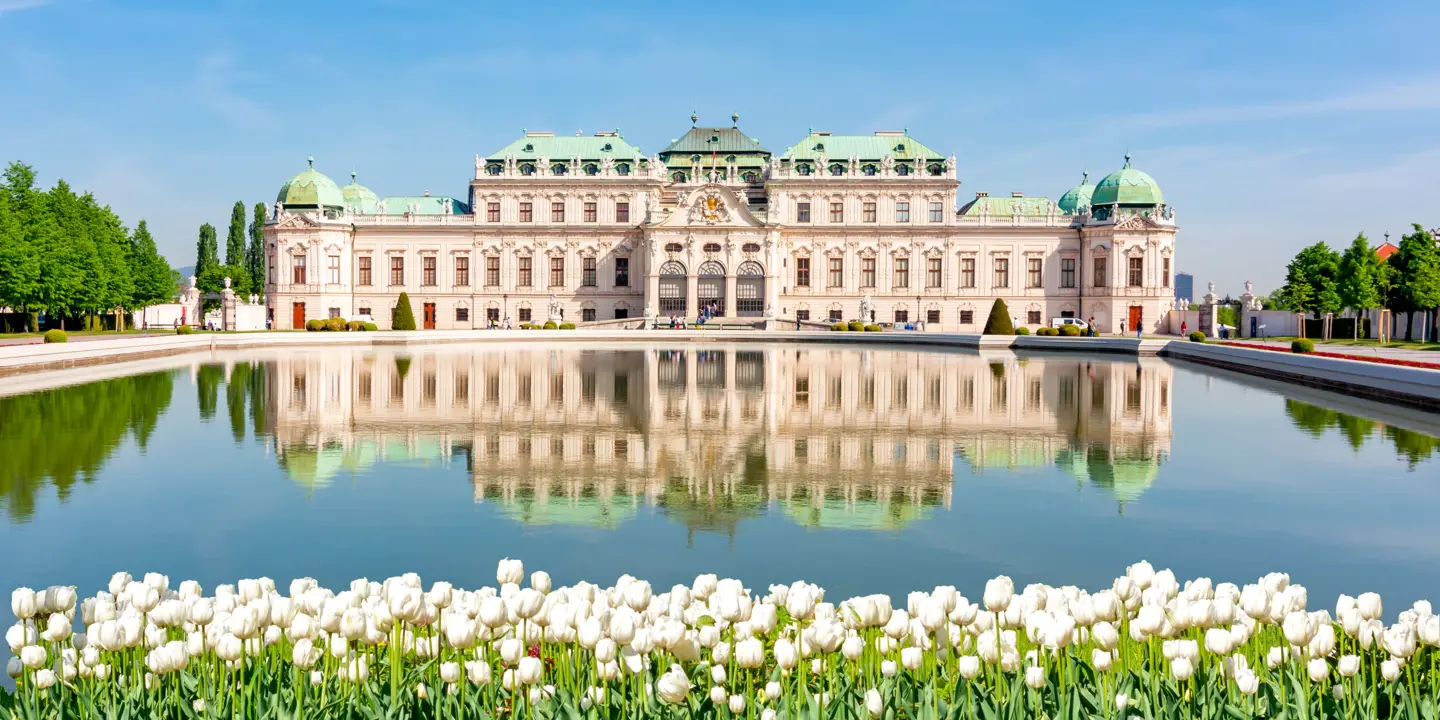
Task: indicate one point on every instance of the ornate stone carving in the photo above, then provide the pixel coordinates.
(709, 208)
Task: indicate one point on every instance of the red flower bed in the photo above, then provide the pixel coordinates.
(1342, 356)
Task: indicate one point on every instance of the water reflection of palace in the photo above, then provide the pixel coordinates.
(714, 434)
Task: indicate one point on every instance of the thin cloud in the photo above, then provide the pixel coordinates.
(214, 78)
(13, 5)
(1423, 94)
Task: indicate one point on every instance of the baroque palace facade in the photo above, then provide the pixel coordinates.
(589, 229)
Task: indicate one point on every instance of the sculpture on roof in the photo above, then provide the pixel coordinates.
(950, 165)
(478, 163)
(279, 211)
(607, 165)
(542, 165)
(657, 168)
(446, 205)
(887, 164)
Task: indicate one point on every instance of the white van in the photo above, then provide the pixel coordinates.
(1057, 323)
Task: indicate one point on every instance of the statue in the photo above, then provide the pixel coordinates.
(769, 311)
(227, 283)
(854, 164)
(279, 211)
(1212, 287)
(950, 165)
(542, 166)
(555, 311)
(445, 205)
(867, 308)
(477, 166)
(190, 282)
(887, 164)
(1249, 286)
(607, 166)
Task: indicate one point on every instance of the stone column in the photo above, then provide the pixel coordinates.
(692, 294)
(227, 307)
(730, 295)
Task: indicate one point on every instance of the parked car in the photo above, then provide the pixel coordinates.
(364, 317)
(1077, 322)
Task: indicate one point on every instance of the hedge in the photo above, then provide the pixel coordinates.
(56, 336)
(1197, 336)
(872, 328)
(1022, 331)
(404, 317)
(184, 330)
(1302, 345)
(999, 321)
(1069, 330)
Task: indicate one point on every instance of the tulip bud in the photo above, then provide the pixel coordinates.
(888, 668)
(1101, 659)
(1122, 701)
(1370, 606)
(772, 690)
(1182, 668)
(1034, 677)
(1389, 669)
(1318, 669)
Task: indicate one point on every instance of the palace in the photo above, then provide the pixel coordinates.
(588, 229)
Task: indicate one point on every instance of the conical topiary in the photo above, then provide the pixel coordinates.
(404, 318)
(999, 322)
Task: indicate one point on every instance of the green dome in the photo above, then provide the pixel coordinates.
(310, 189)
(1127, 186)
(359, 198)
(1077, 199)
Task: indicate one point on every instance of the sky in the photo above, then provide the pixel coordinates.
(1269, 126)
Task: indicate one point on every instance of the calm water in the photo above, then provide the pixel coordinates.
(871, 470)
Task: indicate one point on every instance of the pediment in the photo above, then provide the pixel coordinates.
(711, 205)
(1136, 222)
(297, 221)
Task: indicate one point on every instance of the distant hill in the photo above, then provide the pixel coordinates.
(186, 271)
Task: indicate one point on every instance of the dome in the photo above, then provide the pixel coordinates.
(1127, 186)
(359, 198)
(310, 189)
(1077, 199)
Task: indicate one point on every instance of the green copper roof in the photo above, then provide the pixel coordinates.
(1077, 198)
(358, 197)
(428, 205)
(1127, 186)
(563, 147)
(866, 147)
(310, 189)
(705, 141)
(1029, 206)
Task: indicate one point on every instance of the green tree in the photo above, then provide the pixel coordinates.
(255, 253)
(1359, 271)
(213, 281)
(999, 321)
(149, 270)
(73, 280)
(1311, 280)
(1416, 280)
(206, 254)
(404, 317)
(20, 236)
(235, 239)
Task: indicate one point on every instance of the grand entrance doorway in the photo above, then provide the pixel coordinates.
(710, 286)
(672, 289)
(750, 289)
(1137, 316)
(297, 316)
(429, 316)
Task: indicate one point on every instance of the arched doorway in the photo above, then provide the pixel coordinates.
(672, 288)
(750, 289)
(710, 287)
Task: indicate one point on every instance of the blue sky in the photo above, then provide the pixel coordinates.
(1268, 125)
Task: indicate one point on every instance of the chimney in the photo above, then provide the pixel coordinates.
(1017, 193)
(982, 194)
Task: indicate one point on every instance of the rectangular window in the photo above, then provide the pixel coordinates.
(334, 312)
(492, 212)
(364, 309)
(524, 279)
(332, 269)
(933, 272)
(802, 314)
(527, 212)
(868, 212)
(462, 270)
(590, 214)
(967, 272)
(428, 264)
(902, 316)
(902, 212)
(1067, 272)
(937, 212)
(557, 211)
(587, 272)
(587, 314)
(524, 314)
(1137, 271)
(837, 272)
(932, 316)
(622, 272)
(462, 314)
(297, 269)
(1035, 275)
(1032, 317)
(622, 212)
(967, 317)
(364, 263)
(867, 272)
(1002, 272)
(1165, 272)
(397, 270)
(836, 314)
(802, 212)
(492, 315)
(492, 270)
(837, 212)
(902, 272)
(622, 313)
(557, 271)
(802, 272)
(1100, 279)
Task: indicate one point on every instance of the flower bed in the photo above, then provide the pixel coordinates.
(1144, 646)
(1343, 356)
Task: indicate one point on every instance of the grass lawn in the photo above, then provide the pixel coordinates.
(1363, 342)
(77, 333)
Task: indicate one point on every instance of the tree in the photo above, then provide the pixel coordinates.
(1416, 280)
(999, 321)
(19, 252)
(255, 253)
(1359, 271)
(149, 270)
(404, 318)
(213, 281)
(1310, 281)
(206, 254)
(235, 239)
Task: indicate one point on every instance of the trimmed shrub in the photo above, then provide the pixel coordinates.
(184, 330)
(1069, 330)
(873, 328)
(369, 327)
(355, 326)
(857, 326)
(1197, 336)
(56, 336)
(839, 327)
(999, 321)
(336, 324)
(1302, 345)
(567, 326)
(404, 317)
(314, 325)
(550, 325)
(1022, 331)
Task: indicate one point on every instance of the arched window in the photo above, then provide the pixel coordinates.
(902, 169)
(592, 169)
(672, 268)
(527, 169)
(803, 168)
(673, 247)
(935, 169)
(712, 247)
(678, 177)
(729, 158)
(868, 169)
(750, 177)
(837, 169)
(494, 168)
(750, 268)
(557, 169)
(622, 169)
(710, 268)
(750, 248)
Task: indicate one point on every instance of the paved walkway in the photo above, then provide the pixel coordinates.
(38, 339)
(1428, 356)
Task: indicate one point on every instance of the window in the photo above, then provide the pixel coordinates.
(1165, 272)
(524, 279)
(802, 314)
(867, 272)
(711, 247)
(622, 212)
(868, 212)
(1067, 273)
(462, 314)
(297, 269)
(587, 314)
(967, 272)
(932, 272)
(802, 212)
(527, 212)
(557, 271)
(937, 211)
(364, 262)
(673, 247)
(750, 247)
(837, 212)
(365, 310)
(428, 266)
(1034, 272)
(902, 212)
(837, 272)
(622, 272)
(332, 269)
(492, 315)
(902, 272)
(932, 316)
(835, 314)
(492, 270)
(967, 317)
(902, 316)
(802, 272)
(334, 312)
(590, 214)
(524, 314)
(622, 313)
(492, 212)
(622, 169)
(1002, 272)
(557, 211)
(587, 272)
(397, 270)
(1137, 271)
(1099, 264)
(462, 270)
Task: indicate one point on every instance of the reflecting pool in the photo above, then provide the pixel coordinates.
(861, 470)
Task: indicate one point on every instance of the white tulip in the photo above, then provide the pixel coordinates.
(638, 595)
(1370, 606)
(1318, 669)
(1348, 665)
(998, 593)
(717, 674)
(14, 668)
(1122, 701)
(911, 658)
(786, 655)
(1182, 668)
(737, 704)
(1390, 669)
(477, 672)
(19, 635)
(24, 603)
(1399, 640)
(511, 650)
(450, 672)
(1101, 659)
(529, 670)
(33, 656)
(874, 703)
(750, 653)
(1034, 677)
(44, 678)
(492, 612)
(888, 668)
(510, 571)
(672, 687)
(718, 696)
